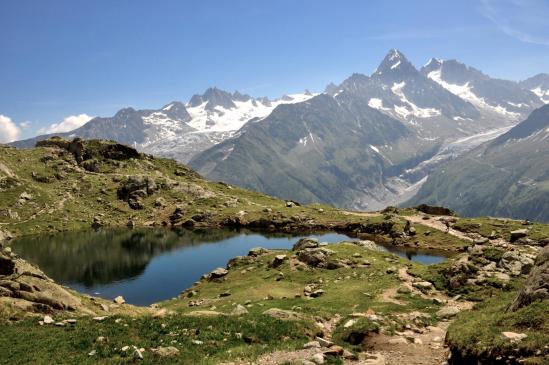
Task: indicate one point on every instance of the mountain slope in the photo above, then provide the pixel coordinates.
(327, 149)
(334, 148)
(508, 176)
(177, 130)
(539, 85)
(494, 98)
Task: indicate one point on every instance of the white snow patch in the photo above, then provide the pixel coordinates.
(395, 65)
(465, 92)
(222, 119)
(374, 148)
(168, 107)
(542, 94)
(376, 103)
(518, 105)
(413, 110)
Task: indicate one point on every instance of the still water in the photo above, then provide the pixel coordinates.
(150, 265)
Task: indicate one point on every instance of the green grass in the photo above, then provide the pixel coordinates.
(501, 227)
(223, 338)
(346, 290)
(478, 332)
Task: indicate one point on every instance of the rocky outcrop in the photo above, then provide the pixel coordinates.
(25, 287)
(434, 210)
(84, 150)
(536, 286)
(134, 189)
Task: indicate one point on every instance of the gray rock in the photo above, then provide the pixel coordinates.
(516, 263)
(239, 310)
(257, 251)
(217, 274)
(536, 286)
(305, 243)
(448, 312)
(278, 260)
(519, 233)
(313, 257)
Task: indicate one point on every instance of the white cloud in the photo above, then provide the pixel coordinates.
(8, 130)
(525, 20)
(24, 125)
(67, 124)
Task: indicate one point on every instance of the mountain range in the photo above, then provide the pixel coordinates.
(368, 142)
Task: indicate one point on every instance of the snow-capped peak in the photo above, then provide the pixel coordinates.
(434, 63)
(394, 63)
(222, 118)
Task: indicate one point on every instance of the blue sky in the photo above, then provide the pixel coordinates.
(65, 58)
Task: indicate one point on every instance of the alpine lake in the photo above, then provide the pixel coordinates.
(151, 265)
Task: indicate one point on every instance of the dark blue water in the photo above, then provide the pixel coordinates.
(147, 266)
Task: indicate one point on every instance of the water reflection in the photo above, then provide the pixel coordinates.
(150, 265)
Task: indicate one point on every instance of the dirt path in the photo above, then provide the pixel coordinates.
(436, 223)
(362, 214)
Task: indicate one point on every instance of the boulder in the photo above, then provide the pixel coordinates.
(217, 274)
(448, 312)
(257, 251)
(30, 288)
(135, 188)
(519, 233)
(278, 260)
(536, 286)
(239, 310)
(434, 210)
(305, 243)
(313, 257)
(516, 263)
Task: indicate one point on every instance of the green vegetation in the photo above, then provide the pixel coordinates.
(346, 290)
(478, 333)
(67, 186)
(199, 340)
(499, 227)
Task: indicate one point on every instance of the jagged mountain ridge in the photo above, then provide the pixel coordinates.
(441, 123)
(494, 98)
(178, 130)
